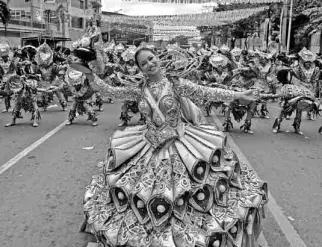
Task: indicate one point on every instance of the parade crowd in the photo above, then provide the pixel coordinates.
(31, 77)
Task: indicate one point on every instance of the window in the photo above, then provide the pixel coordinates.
(77, 22)
(77, 4)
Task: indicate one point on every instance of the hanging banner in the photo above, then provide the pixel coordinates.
(204, 19)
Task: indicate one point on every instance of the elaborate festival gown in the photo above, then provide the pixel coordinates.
(173, 181)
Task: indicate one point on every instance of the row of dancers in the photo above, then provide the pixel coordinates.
(32, 76)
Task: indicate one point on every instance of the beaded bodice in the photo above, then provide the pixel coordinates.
(167, 102)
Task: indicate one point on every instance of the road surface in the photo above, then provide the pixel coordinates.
(41, 194)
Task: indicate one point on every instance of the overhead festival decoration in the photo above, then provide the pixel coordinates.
(209, 1)
(204, 19)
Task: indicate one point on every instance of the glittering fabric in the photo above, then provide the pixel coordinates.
(182, 87)
(169, 183)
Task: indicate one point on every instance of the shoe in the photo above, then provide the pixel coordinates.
(4, 110)
(123, 124)
(69, 122)
(35, 124)
(10, 124)
(94, 123)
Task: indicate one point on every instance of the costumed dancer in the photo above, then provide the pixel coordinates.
(237, 58)
(173, 182)
(52, 75)
(25, 89)
(82, 95)
(61, 57)
(307, 74)
(244, 78)
(219, 72)
(7, 69)
(266, 77)
(130, 69)
(299, 96)
(94, 33)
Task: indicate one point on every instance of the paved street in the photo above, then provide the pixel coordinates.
(41, 195)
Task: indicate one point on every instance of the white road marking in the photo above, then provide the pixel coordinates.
(30, 148)
(286, 227)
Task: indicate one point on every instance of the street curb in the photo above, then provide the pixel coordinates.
(286, 227)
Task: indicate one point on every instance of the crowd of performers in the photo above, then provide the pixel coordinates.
(31, 77)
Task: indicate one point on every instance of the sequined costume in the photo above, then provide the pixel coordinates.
(218, 72)
(266, 79)
(24, 97)
(82, 96)
(170, 182)
(300, 95)
(51, 75)
(7, 68)
(244, 78)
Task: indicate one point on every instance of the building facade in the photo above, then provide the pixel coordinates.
(56, 18)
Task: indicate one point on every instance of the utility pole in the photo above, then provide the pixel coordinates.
(289, 28)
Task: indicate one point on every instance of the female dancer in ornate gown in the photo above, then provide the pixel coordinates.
(173, 181)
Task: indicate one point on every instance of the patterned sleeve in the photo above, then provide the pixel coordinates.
(316, 75)
(122, 93)
(186, 88)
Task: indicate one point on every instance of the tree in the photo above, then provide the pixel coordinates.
(4, 14)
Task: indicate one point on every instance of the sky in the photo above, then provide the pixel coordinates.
(134, 7)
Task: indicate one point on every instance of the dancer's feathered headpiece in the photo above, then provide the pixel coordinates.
(214, 48)
(109, 47)
(264, 54)
(4, 47)
(120, 47)
(224, 49)
(306, 55)
(74, 77)
(129, 53)
(236, 52)
(44, 55)
(90, 51)
(218, 60)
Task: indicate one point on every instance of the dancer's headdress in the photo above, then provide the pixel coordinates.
(120, 47)
(109, 47)
(306, 55)
(214, 48)
(4, 48)
(129, 53)
(172, 47)
(236, 51)
(192, 49)
(44, 55)
(218, 60)
(264, 54)
(90, 52)
(74, 77)
(203, 52)
(224, 49)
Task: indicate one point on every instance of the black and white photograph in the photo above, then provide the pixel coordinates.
(160, 123)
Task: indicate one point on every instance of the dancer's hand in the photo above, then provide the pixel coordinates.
(246, 96)
(90, 76)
